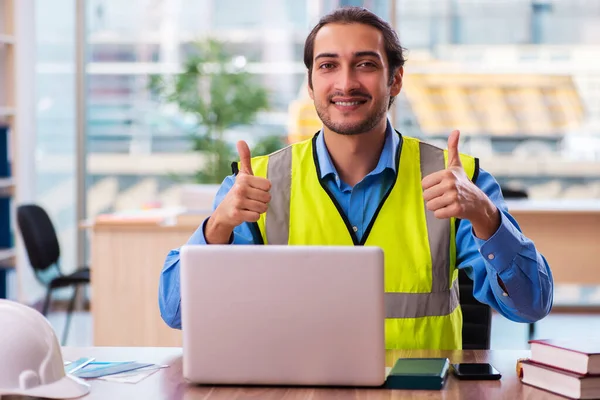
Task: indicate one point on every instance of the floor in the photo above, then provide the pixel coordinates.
(505, 334)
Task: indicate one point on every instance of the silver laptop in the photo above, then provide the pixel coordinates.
(283, 315)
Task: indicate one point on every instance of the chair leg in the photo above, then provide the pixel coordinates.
(69, 312)
(47, 301)
(531, 330)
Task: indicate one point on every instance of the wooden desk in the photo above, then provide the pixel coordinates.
(127, 257)
(567, 233)
(169, 384)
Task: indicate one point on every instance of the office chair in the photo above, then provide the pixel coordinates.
(509, 193)
(477, 317)
(43, 250)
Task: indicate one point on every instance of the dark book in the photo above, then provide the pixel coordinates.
(4, 149)
(5, 226)
(418, 373)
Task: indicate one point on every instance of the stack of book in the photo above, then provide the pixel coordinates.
(570, 368)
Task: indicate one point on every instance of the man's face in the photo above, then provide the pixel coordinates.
(350, 78)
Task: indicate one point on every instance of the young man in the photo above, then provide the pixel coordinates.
(360, 182)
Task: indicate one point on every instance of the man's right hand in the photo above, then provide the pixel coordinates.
(248, 198)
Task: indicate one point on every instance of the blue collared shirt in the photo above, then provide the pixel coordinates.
(507, 255)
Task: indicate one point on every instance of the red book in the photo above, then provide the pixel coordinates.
(561, 382)
(579, 356)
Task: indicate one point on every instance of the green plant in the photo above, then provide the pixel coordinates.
(216, 89)
(268, 145)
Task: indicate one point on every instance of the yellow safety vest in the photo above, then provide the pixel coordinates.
(421, 281)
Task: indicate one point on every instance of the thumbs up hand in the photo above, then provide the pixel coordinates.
(450, 193)
(244, 153)
(247, 199)
(453, 155)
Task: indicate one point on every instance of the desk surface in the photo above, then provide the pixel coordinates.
(558, 206)
(169, 384)
(171, 217)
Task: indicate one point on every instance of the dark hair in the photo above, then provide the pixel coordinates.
(358, 15)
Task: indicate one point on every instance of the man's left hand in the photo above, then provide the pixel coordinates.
(450, 193)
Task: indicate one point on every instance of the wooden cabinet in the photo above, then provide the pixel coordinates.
(127, 257)
(7, 139)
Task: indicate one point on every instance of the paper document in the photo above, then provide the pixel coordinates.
(134, 376)
(76, 365)
(122, 371)
(110, 370)
(119, 371)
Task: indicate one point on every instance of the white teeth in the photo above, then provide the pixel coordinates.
(347, 103)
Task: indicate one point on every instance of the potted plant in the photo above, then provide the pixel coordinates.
(215, 88)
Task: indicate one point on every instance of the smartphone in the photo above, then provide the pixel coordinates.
(476, 371)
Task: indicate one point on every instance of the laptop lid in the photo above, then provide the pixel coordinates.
(283, 315)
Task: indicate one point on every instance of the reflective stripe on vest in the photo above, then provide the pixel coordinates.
(279, 172)
(398, 305)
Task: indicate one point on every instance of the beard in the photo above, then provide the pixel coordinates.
(352, 128)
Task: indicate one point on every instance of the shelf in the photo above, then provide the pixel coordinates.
(7, 39)
(517, 137)
(6, 183)
(6, 186)
(8, 92)
(515, 167)
(573, 206)
(7, 111)
(7, 258)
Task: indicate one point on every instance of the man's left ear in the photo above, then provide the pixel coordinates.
(397, 83)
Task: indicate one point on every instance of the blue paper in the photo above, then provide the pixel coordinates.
(78, 364)
(109, 369)
(103, 364)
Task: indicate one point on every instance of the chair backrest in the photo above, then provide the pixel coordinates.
(510, 193)
(39, 236)
(477, 317)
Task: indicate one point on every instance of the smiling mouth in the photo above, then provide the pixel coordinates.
(349, 103)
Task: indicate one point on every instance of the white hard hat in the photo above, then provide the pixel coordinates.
(32, 362)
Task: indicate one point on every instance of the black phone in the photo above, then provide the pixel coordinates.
(476, 371)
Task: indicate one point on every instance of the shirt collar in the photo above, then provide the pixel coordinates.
(387, 159)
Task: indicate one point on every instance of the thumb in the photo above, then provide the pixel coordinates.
(453, 156)
(244, 153)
